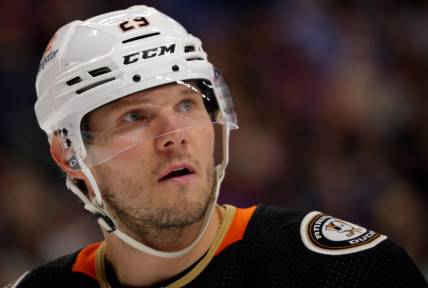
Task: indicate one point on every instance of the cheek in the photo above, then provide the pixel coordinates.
(107, 147)
(130, 164)
(135, 155)
(204, 141)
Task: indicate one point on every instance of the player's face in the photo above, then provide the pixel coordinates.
(164, 181)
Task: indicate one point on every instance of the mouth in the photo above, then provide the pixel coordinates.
(180, 171)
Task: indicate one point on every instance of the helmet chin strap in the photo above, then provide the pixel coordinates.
(97, 208)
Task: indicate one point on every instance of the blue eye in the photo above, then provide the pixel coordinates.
(133, 116)
(185, 106)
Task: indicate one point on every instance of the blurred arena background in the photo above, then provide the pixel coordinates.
(331, 99)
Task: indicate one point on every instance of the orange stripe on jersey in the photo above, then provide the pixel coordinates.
(237, 227)
(85, 261)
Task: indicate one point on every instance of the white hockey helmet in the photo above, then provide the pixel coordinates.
(90, 63)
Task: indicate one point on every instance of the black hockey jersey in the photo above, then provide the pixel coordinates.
(262, 246)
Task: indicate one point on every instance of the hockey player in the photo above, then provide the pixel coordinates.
(139, 120)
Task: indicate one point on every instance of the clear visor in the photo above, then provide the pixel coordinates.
(170, 116)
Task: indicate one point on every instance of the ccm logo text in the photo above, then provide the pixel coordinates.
(148, 53)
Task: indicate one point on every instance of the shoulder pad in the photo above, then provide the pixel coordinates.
(332, 236)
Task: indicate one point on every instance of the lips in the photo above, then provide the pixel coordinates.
(176, 171)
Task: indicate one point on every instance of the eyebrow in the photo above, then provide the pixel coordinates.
(137, 99)
(121, 104)
(127, 101)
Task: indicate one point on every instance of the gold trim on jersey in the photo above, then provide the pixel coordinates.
(225, 213)
(100, 266)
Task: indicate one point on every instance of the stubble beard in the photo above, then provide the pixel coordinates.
(157, 225)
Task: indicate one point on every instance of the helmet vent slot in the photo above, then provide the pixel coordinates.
(194, 58)
(189, 48)
(73, 81)
(99, 71)
(140, 37)
(93, 85)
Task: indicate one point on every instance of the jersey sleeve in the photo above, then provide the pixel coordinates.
(397, 270)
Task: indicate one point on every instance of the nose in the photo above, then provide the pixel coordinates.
(171, 140)
(175, 137)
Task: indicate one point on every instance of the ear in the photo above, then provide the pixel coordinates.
(61, 154)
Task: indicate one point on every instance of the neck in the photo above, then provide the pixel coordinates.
(135, 268)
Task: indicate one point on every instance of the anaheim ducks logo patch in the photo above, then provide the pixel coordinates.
(328, 235)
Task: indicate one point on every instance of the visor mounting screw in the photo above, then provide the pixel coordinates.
(136, 78)
(175, 68)
(73, 163)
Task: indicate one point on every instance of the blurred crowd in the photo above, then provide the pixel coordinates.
(331, 102)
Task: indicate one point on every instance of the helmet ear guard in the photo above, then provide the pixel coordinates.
(67, 149)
